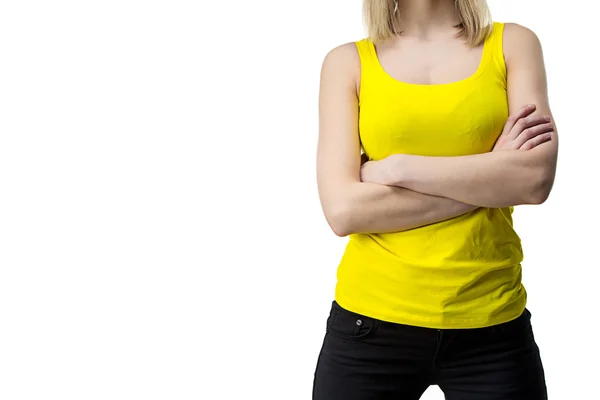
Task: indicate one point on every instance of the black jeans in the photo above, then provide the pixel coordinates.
(364, 358)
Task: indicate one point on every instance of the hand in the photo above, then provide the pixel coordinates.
(382, 171)
(524, 132)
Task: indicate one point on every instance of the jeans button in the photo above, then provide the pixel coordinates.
(358, 322)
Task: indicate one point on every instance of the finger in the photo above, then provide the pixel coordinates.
(520, 113)
(527, 122)
(532, 132)
(536, 141)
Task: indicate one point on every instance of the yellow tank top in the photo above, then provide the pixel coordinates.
(461, 273)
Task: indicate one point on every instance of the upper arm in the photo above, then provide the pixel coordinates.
(338, 148)
(526, 72)
(527, 84)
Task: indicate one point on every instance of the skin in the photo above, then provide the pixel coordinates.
(405, 191)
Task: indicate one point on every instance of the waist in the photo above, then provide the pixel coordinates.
(483, 236)
(464, 272)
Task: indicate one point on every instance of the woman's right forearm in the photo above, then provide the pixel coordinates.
(373, 208)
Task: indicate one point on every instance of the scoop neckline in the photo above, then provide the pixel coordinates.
(480, 68)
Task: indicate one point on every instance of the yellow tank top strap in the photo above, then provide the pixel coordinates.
(496, 53)
(366, 54)
(368, 63)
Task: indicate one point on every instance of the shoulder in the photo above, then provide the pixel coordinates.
(520, 42)
(342, 62)
(343, 56)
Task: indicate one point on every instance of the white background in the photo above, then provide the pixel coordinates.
(160, 230)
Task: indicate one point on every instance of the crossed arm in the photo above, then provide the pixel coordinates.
(498, 178)
(406, 191)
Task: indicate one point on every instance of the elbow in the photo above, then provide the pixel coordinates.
(340, 231)
(541, 189)
(338, 218)
(540, 196)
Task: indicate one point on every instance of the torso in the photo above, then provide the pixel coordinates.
(460, 273)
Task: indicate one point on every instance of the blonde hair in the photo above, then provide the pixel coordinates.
(382, 22)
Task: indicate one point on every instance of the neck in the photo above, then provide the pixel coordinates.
(426, 18)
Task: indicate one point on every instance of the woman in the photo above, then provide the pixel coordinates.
(453, 116)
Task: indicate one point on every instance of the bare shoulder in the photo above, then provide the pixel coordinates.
(342, 62)
(343, 55)
(520, 41)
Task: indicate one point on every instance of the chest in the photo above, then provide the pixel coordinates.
(440, 120)
(430, 63)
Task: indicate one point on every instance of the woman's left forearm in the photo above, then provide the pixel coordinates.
(495, 179)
